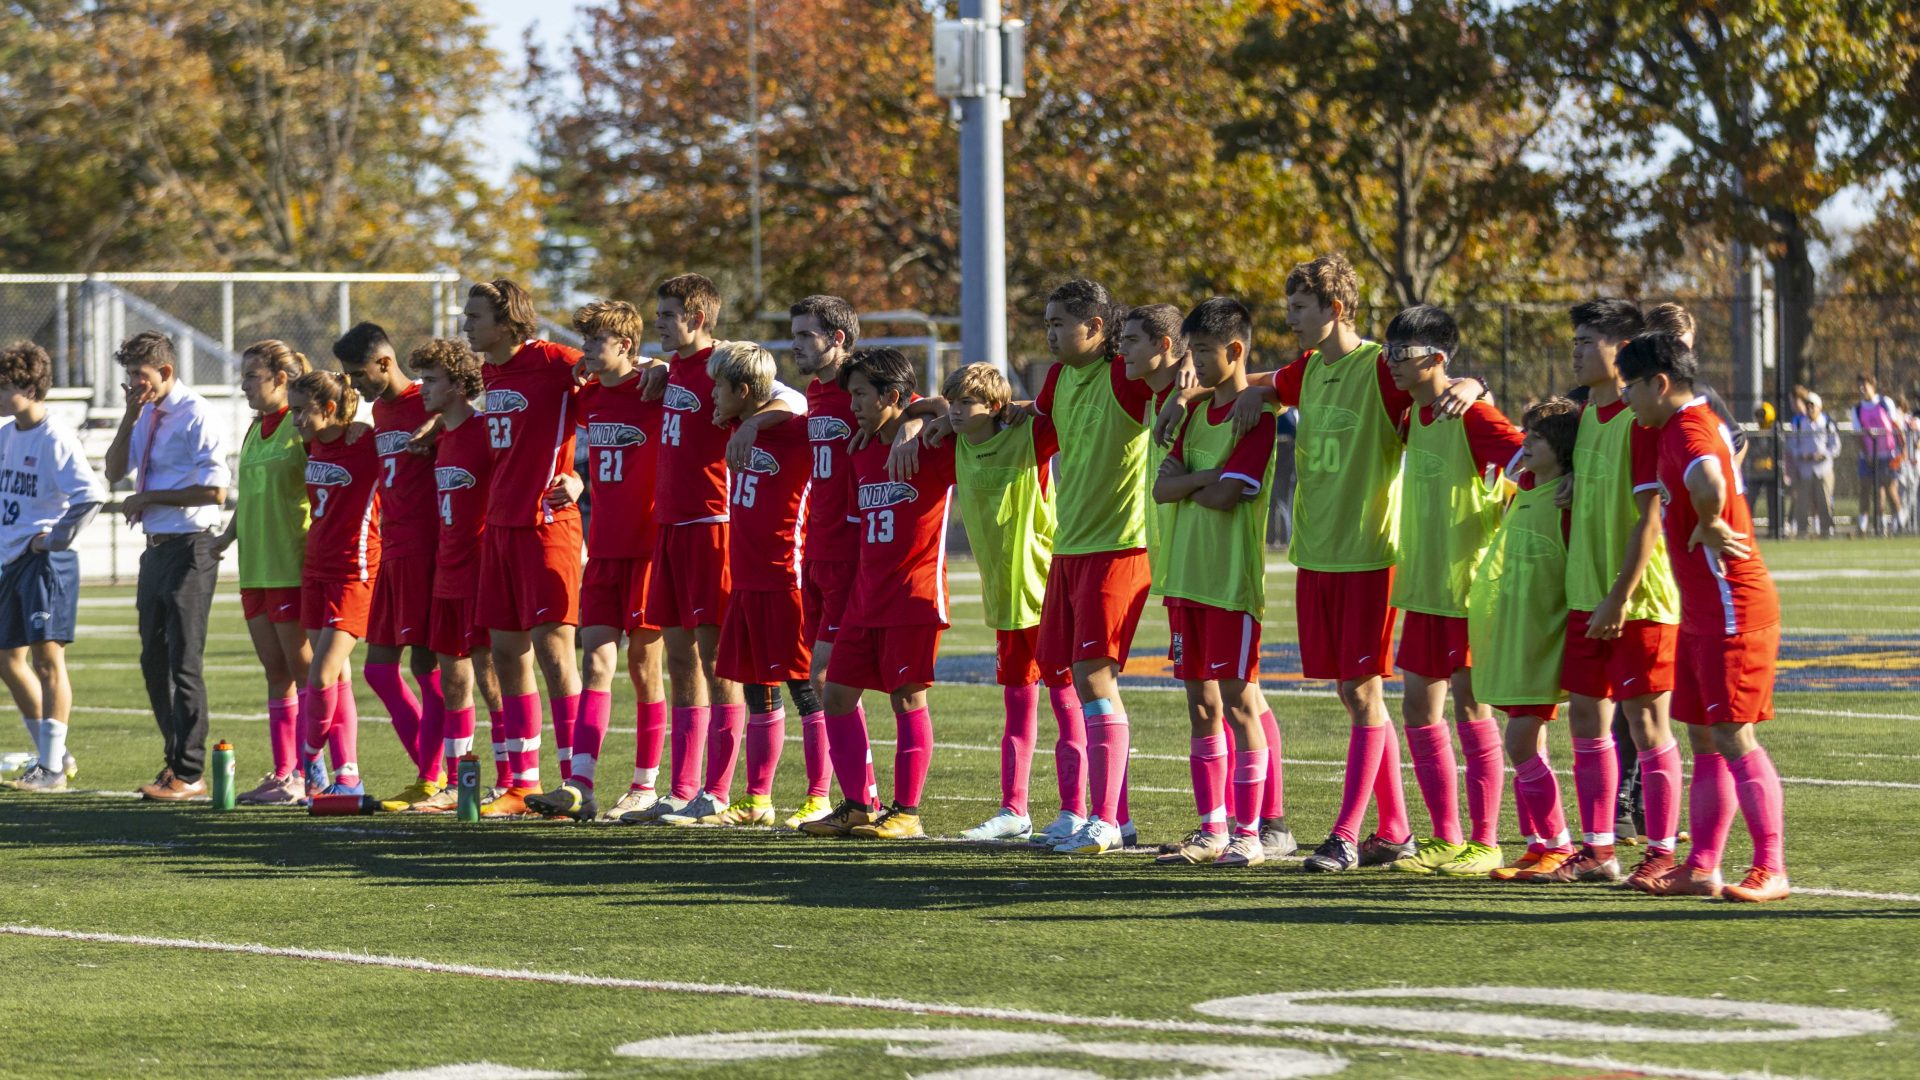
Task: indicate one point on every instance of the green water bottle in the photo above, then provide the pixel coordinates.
(468, 777)
(223, 775)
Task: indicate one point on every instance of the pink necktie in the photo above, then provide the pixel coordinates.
(146, 459)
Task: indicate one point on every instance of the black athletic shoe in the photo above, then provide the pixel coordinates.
(1377, 852)
(1333, 856)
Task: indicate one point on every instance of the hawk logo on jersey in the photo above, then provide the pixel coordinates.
(606, 433)
(506, 401)
(389, 443)
(875, 496)
(762, 462)
(327, 474)
(681, 399)
(453, 478)
(827, 429)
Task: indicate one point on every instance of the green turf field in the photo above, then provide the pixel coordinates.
(177, 941)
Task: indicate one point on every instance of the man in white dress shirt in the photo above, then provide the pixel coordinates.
(171, 443)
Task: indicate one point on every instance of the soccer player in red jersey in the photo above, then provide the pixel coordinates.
(890, 633)
(623, 438)
(1729, 626)
(688, 583)
(450, 378)
(409, 533)
(763, 640)
(825, 331)
(530, 557)
(343, 556)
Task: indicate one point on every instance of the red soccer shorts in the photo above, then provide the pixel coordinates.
(1639, 661)
(884, 658)
(1542, 712)
(828, 584)
(1211, 643)
(1014, 663)
(455, 631)
(1432, 646)
(1346, 623)
(402, 603)
(336, 605)
(614, 593)
(689, 583)
(1092, 608)
(763, 639)
(530, 575)
(1725, 679)
(278, 605)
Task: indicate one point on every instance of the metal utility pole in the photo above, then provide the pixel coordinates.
(979, 63)
(753, 127)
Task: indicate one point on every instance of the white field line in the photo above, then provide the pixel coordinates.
(889, 1005)
(1855, 894)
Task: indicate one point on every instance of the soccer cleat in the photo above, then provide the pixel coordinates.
(1686, 880)
(316, 776)
(274, 790)
(752, 811)
(39, 779)
(1656, 865)
(1334, 855)
(565, 801)
(1759, 886)
(69, 766)
(444, 801)
(510, 802)
(1243, 850)
(694, 811)
(813, 809)
(1532, 865)
(1474, 860)
(1096, 837)
(1429, 854)
(1005, 825)
(1377, 852)
(633, 805)
(1060, 828)
(418, 791)
(1584, 866)
(1198, 849)
(1277, 839)
(893, 823)
(347, 785)
(842, 821)
(1129, 836)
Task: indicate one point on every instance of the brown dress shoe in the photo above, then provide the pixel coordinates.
(159, 782)
(174, 790)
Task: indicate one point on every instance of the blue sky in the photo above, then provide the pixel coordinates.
(509, 19)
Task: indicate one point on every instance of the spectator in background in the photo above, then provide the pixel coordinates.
(170, 442)
(1813, 444)
(1881, 427)
(1910, 464)
(1280, 517)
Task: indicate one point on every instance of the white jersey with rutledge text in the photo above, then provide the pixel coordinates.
(43, 471)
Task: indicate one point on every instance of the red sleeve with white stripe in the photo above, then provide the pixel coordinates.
(1717, 596)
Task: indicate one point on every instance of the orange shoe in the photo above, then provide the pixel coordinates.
(1532, 865)
(1652, 869)
(1688, 881)
(509, 803)
(1758, 887)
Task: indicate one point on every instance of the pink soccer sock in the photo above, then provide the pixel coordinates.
(1486, 775)
(1016, 744)
(813, 747)
(1365, 746)
(589, 735)
(565, 711)
(649, 742)
(1711, 800)
(318, 706)
(1070, 749)
(283, 732)
(1390, 793)
(433, 722)
(1762, 803)
(458, 741)
(1660, 795)
(401, 705)
(1123, 807)
(523, 739)
(1273, 802)
(852, 755)
(766, 734)
(1535, 785)
(1207, 762)
(1108, 742)
(912, 755)
(689, 737)
(344, 742)
(1596, 786)
(724, 734)
(497, 730)
(1249, 787)
(1431, 746)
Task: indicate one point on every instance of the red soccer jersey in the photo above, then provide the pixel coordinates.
(1288, 380)
(1134, 395)
(623, 441)
(529, 420)
(1643, 448)
(1247, 462)
(693, 451)
(1492, 439)
(1717, 596)
(768, 499)
(831, 537)
(902, 580)
(407, 524)
(462, 471)
(343, 490)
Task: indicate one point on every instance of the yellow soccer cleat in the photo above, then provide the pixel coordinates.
(1429, 854)
(813, 809)
(750, 812)
(892, 824)
(844, 819)
(416, 792)
(444, 801)
(1474, 861)
(509, 803)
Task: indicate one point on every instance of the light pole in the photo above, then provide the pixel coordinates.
(978, 63)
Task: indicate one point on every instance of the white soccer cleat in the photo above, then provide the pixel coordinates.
(1096, 837)
(39, 779)
(701, 805)
(1060, 829)
(632, 805)
(1129, 836)
(1005, 825)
